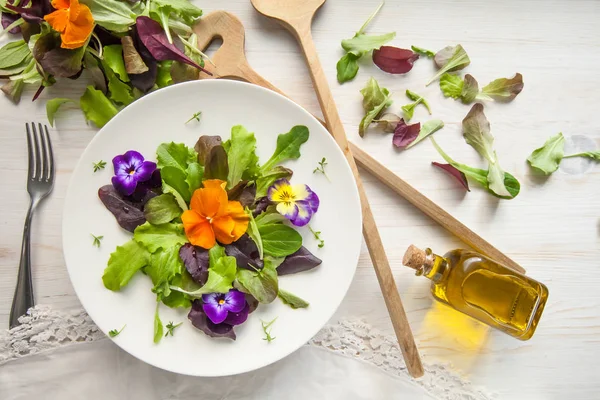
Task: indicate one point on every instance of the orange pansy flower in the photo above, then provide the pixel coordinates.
(212, 217)
(74, 21)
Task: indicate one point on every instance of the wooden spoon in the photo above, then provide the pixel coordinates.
(230, 61)
(296, 16)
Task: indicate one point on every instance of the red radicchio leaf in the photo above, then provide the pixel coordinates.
(394, 60)
(405, 134)
(8, 19)
(455, 173)
(33, 11)
(154, 38)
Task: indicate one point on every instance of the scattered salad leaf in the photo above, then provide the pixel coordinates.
(594, 155)
(451, 85)
(279, 240)
(300, 261)
(266, 326)
(405, 134)
(321, 168)
(221, 273)
(176, 179)
(394, 60)
(476, 131)
(428, 128)
(119, 91)
(375, 101)
(451, 58)
(174, 155)
(114, 333)
(194, 176)
(161, 209)
(423, 52)
(99, 165)
(196, 117)
(503, 89)
(164, 265)
(458, 175)
(292, 300)
(317, 235)
(288, 147)
(261, 284)
(123, 263)
(155, 237)
(470, 89)
(347, 67)
(388, 122)
(241, 154)
(171, 328)
(97, 107)
(158, 326)
(52, 107)
(14, 89)
(548, 157)
(97, 240)
(13, 53)
(416, 97)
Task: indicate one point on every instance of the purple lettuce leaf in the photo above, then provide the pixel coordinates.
(199, 319)
(155, 39)
(252, 303)
(33, 11)
(128, 212)
(300, 261)
(8, 19)
(146, 80)
(245, 252)
(261, 206)
(458, 175)
(243, 192)
(394, 60)
(204, 145)
(195, 260)
(405, 134)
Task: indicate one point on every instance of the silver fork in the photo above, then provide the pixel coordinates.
(40, 180)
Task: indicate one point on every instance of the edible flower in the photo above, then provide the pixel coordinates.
(212, 217)
(74, 21)
(297, 203)
(131, 169)
(229, 308)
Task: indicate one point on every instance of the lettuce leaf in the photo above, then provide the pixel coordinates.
(450, 58)
(241, 154)
(123, 263)
(263, 285)
(451, 85)
(375, 101)
(221, 274)
(292, 300)
(97, 107)
(548, 157)
(155, 237)
(162, 209)
(288, 147)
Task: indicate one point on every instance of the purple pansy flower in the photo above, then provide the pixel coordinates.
(297, 203)
(131, 169)
(229, 308)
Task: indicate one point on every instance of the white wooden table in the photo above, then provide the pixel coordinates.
(552, 228)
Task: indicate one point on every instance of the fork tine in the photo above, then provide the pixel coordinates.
(38, 163)
(44, 153)
(30, 157)
(50, 154)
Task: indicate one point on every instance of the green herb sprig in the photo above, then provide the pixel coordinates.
(266, 326)
(99, 165)
(321, 168)
(317, 235)
(97, 240)
(196, 117)
(170, 328)
(113, 333)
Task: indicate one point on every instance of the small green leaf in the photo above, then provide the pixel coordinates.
(176, 178)
(123, 263)
(451, 85)
(548, 157)
(13, 53)
(470, 89)
(99, 165)
(221, 274)
(261, 284)
(451, 58)
(164, 265)
(288, 147)
(279, 240)
(158, 326)
(254, 234)
(113, 58)
(164, 236)
(428, 128)
(241, 154)
(423, 52)
(415, 97)
(504, 90)
(97, 107)
(114, 333)
(176, 155)
(119, 91)
(375, 101)
(266, 326)
(195, 173)
(52, 107)
(269, 177)
(163, 74)
(114, 15)
(162, 209)
(196, 117)
(97, 240)
(292, 300)
(317, 235)
(171, 328)
(347, 67)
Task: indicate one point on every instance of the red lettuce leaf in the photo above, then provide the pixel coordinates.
(144, 81)
(261, 206)
(195, 260)
(243, 192)
(33, 11)
(8, 19)
(300, 261)
(394, 60)
(129, 214)
(405, 134)
(458, 175)
(154, 38)
(245, 252)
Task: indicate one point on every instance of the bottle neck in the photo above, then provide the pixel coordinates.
(435, 267)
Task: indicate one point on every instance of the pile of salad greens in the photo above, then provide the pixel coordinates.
(127, 48)
(212, 227)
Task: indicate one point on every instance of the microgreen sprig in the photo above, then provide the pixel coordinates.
(267, 330)
(113, 333)
(170, 328)
(97, 240)
(196, 117)
(321, 168)
(317, 235)
(99, 165)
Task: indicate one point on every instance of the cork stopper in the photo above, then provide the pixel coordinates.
(416, 258)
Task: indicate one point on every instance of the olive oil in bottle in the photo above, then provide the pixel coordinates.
(483, 289)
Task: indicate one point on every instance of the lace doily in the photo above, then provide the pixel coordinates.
(44, 329)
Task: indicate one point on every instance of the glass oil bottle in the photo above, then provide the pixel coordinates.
(483, 289)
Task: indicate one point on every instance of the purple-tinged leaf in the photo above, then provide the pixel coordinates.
(252, 303)
(146, 80)
(126, 210)
(33, 11)
(201, 321)
(38, 92)
(216, 165)
(195, 260)
(405, 134)
(245, 252)
(300, 261)
(155, 39)
(243, 192)
(204, 145)
(394, 60)
(261, 206)
(8, 19)
(458, 175)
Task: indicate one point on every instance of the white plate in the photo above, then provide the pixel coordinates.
(157, 118)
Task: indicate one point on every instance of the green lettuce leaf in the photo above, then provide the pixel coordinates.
(164, 265)
(470, 89)
(451, 58)
(427, 129)
(53, 105)
(13, 89)
(155, 237)
(288, 147)
(181, 8)
(375, 101)
(347, 67)
(417, 97)
(195, 173)
(254, 233)
(221, 274)
(241, 154)
(409, 109)
(166, 188)
(119, 91)
(361, 44)
(503, 90)
(162, 209)
(423, 52)
(114, 15)
(262, 284)
(113, 58)
(97, 107)
(279, 240)
(175, 155)
(292, 300)
(548, 157)
(13, 54)
(176, 179)
(158, 325)
(163, 75)
(123, 263)
(451, 85)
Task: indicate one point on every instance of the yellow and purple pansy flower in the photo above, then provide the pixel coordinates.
(297, 203)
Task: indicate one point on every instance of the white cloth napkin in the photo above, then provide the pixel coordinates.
(101, 371)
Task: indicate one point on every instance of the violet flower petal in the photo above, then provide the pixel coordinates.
(238, 318)
(215, 312)
(125, 184)
(235, 301)
(145, 171)
(133, 158)
(303, 215)
(314, 202)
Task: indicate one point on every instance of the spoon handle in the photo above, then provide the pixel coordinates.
(370, 231)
